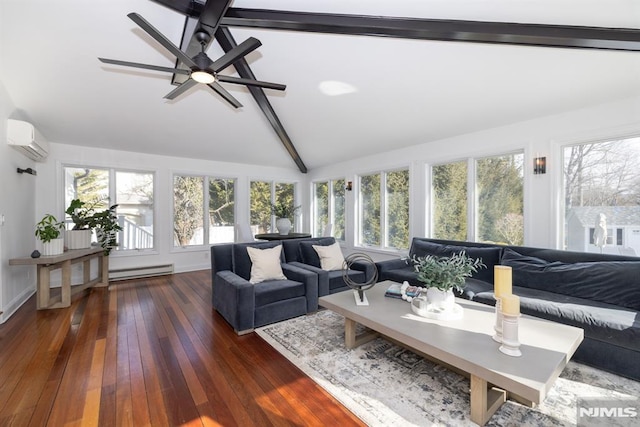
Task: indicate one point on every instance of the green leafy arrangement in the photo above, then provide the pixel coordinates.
(283, 210)
(85, 217)
(445, 273)
(49, 228)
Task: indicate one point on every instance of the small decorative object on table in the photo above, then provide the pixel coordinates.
(441, 275)
(359, 288)
(284, 213)
(510, 314)
(502, 286)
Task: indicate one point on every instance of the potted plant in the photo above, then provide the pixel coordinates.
(284, 213)
(106, 226)
(81, 213)
(48, 230)
(441, 275)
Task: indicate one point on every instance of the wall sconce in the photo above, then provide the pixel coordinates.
(539, 165)
(28, 170)
(349, 186)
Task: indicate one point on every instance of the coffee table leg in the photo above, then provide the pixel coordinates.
(485, 401)
(351, 340)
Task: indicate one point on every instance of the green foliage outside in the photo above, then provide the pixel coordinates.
(499, 206)
(397, 198)
(450, 201)
(338, 209)
(500, 190)
(261, 202)
(370, 200)
(321, 207)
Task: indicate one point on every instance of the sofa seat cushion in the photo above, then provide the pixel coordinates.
(604, 322)
(490, 256)
(610, 282)
(277, 290)
(337, 282)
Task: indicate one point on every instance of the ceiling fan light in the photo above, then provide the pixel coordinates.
(203, 77)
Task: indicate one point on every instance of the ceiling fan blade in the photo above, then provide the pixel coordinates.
(160, 38)
(251, 82)
(247, 46)
(145, 66)
(226, 95)
(181, 89)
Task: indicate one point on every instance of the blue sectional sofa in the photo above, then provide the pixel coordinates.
(598, 293)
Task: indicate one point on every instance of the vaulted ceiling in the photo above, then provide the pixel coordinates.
(347, 94)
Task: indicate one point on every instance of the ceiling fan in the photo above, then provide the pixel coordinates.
(201, 68)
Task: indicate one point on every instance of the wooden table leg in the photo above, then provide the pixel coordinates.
(103, 271)
(65, 295)
(485, 401)
(42, 291)
(351, 340)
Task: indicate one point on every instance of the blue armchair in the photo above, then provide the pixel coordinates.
(300, 253)
(247, 306)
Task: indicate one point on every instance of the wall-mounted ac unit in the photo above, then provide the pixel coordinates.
(25, 138)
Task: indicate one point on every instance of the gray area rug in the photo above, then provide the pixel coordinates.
(387, 385)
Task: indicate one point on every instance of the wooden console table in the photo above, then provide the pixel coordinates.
(46, 264)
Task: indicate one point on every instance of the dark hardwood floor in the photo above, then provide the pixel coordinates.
(150, 352)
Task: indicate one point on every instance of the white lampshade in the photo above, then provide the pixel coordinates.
(203, 77)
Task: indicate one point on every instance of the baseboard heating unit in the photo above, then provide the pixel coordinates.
(139, 272)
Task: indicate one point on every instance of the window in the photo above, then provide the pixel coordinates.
(328, 207)
(262, 195)
(500, 195)
(132, 191)
(601, 195)
(193, 225)
(221, 210)
(449, 209)
(496, 209)
(384, 210)
(134, 196)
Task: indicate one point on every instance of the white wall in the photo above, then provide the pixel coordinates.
(17, 207)
(49, 195)
(543, 136)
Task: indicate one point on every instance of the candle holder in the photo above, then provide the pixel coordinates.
(510, 344)
(498, 326)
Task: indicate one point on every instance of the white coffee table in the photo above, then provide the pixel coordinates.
(466, 346)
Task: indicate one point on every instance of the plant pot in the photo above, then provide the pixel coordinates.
(53, 247)
(78, 239)
(443, 300)
(283, 225)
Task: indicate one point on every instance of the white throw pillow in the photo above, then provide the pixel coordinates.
(331, 257)
(265, 264)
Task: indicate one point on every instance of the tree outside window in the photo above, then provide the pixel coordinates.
(602, 178)
(188, 210)
(384, 210)
(498, 206)
(500, 193)
(449, 207)
(262, 195)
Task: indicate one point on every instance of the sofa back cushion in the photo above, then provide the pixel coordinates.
(490, 255)
(291, 248)
(242, 261)
(611, 282)
(308, 254)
